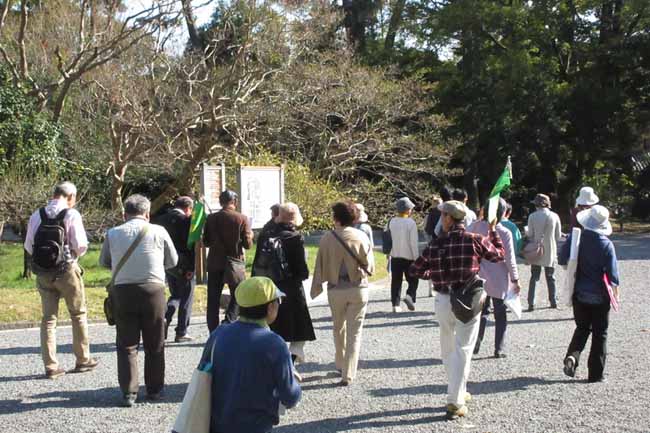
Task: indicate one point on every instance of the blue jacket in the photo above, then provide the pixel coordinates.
(251, 375)
(596, 256)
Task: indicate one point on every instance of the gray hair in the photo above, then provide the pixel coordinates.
(64, 189)
(136, 205)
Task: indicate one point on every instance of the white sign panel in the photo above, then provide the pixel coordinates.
(260, 188)
(213, 181)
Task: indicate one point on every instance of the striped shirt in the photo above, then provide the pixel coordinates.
(455, 258)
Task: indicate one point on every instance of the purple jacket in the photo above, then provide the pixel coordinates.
(498, 276)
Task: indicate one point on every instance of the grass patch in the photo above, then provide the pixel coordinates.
(20, 301)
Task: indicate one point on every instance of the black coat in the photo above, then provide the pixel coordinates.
(293, 322)
(177, 225)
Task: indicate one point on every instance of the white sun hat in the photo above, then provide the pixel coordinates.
(587, 197)
(363, 216)
(595, 219)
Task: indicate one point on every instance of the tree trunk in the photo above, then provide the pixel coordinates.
(195, 39)
(119, 172)
(394, 24)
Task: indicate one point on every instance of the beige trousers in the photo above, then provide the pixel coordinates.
(70, 287)
(348, 311)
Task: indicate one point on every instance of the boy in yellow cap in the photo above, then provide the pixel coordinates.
(252, 371)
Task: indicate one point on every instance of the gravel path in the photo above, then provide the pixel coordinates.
(401, 385)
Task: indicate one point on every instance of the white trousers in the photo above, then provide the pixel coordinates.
(457, 341)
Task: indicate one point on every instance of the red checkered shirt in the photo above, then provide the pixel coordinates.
(464, 252)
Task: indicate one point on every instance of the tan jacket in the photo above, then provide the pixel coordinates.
(331, 254)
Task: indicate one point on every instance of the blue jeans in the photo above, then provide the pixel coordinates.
(535, 272)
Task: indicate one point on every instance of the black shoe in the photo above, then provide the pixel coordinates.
(498, 355)
(477, 348)
(596, 380)
(167, 323)
(154, 396)
(530, 309)
(128, 400)
(570, 366)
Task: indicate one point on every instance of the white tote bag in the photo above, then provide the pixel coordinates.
(571, 268)
(195, 412)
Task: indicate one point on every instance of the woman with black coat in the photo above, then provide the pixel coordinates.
(293, 322)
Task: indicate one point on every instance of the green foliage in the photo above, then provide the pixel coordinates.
(28, 140)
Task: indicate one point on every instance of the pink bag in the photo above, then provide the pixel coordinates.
(610, 291)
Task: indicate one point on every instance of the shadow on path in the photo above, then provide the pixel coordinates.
(371, 364)
(61, 348)
(97, 398)
(383, 419)
(478, 388)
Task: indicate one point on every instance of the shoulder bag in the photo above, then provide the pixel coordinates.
(235, 269)
(195, 412)
(534, 250)
(467, 298)
(108, 302)
(362, 265)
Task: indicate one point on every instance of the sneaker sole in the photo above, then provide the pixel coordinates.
(569, 367)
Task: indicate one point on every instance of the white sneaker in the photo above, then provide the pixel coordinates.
(409, 302)
(397, 309)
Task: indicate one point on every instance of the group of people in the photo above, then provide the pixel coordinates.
(267, 321)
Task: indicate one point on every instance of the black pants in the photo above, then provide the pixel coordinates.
(590, 319)
(182, 295)
(399, 268)
(500, 323)
(215, 288)
(140, 310)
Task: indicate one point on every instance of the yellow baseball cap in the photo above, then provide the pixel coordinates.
(257, 291)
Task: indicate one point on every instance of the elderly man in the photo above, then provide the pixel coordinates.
(465, 251)
(544, 225)
(180, 278)
(138, 254)
(56, 239)
(226, 234)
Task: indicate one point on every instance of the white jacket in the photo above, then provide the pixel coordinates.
(404, 233)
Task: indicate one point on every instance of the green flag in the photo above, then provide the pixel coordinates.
(502, 183)
(196, 225)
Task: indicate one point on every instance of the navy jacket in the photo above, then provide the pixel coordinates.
(596, 256)
(251, 375)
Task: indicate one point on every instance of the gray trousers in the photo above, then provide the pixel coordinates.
(535, 272)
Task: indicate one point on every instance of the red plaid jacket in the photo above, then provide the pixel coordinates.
(463, 251)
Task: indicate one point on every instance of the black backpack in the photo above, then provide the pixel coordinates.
(387, 239)
(271, 261)
(48, 255)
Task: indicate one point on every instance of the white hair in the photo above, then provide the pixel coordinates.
(65, 189)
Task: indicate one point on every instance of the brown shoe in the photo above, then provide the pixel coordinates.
(86, 366)
(54, 374)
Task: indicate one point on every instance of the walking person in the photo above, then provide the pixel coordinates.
(252, 375)
(585, 200)
(432, 217)
(138, 295)
(591, 300)
(514, 230)
(57, 230)
(465, 251)
(543, 225)
(361, 223)
(344, 262)
(227, 233)
(500, 278)
(404, 234)
(459, 195)
(293, 323)
(181, 277)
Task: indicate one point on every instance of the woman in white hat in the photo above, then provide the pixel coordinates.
(361, 223)
(591, 301)
(586, 199)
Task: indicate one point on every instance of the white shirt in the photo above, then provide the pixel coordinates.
(147, 264)
(404, 233)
